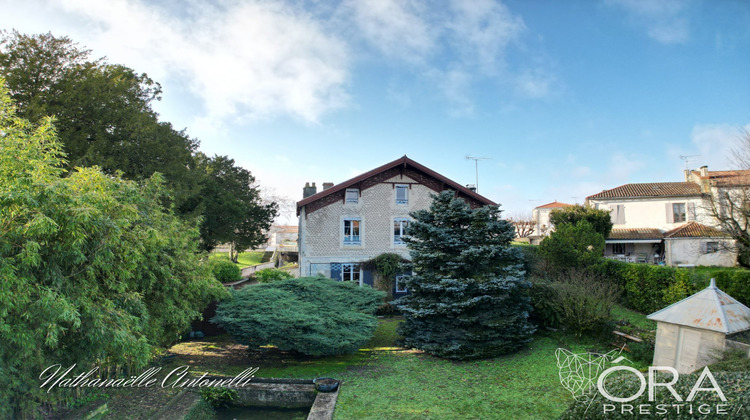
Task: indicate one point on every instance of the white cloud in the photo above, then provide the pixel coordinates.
(664, 20)
(397, 29)
(715, 143)
(244, 60)
(482, 29)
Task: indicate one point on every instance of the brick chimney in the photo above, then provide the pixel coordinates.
(309, 190)
(327, 185)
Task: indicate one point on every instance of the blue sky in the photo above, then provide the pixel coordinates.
(566, 98)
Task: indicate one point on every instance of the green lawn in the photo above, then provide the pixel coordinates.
(245, 259)
(384, 381)
(637, 319)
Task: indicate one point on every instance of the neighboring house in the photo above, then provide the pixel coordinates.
(664, 222)
(354, 221)
(282, 235)
(542, 226)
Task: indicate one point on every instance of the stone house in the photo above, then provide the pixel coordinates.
(354, 221)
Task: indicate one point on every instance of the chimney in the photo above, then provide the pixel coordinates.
(687, 175)
(704, 171)
(327, 185)
(471, 187)
(309, 190)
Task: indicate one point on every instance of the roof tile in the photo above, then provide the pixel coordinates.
(651, 189)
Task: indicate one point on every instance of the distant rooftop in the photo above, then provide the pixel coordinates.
(651, 189)
(554, 205)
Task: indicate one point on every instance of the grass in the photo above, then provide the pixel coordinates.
(635, 318)
(385, 381)
(245, 259)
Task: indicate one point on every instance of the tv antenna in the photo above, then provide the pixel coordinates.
(685, 158)
(476, 166)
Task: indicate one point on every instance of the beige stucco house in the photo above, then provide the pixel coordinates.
(669, 222)
(542, 226)
(358, 219)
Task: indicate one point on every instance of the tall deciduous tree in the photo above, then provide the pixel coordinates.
(233, 211)
(729, 200)
(103, 112)
(94, 270)
(467, 299)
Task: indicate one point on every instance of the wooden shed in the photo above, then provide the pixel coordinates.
(692, 333)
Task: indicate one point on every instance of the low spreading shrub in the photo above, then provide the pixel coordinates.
(225, 271)
(584, 301)
(312, 316)
(268, 275)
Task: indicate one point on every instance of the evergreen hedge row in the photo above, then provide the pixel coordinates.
(649, 288)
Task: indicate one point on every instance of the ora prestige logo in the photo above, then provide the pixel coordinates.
(584, 375)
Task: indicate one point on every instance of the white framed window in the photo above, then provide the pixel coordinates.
(402, 194)
(352, 229)
(678, 213)
(400, 288)
(399, 229)
(352, 195)
(351, 272)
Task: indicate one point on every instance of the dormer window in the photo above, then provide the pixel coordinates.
(402, 194)
(352, 195)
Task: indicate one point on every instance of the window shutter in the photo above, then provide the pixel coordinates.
(704, 247)
(336, 271)
(670, 213)
(613, 213)
(621, 214)
(691, 211)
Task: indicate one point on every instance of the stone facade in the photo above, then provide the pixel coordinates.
(322, 241)
(357, 220)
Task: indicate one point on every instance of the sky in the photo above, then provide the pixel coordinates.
(563, 98)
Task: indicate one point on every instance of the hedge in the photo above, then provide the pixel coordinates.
(649, 288)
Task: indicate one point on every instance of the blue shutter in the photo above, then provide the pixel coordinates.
(336, 271)
(367, 277)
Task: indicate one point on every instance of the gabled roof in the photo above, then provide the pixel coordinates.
(709, 309)
(637, 233)
(651, 189)
(554, 205)
(695, 230)
(403, 163)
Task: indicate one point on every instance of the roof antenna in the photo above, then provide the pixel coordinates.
(685, 158)
(476, 166)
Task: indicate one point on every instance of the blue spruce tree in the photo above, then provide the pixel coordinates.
(467, 296)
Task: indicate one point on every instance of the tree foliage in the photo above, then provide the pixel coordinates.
(599, 219)
(313, 316)
(233, 210)
(467, 299)
(104, 117)
(94, 270)
(103, 112)
(577, 245)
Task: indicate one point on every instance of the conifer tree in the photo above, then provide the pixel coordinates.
(467, 299)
